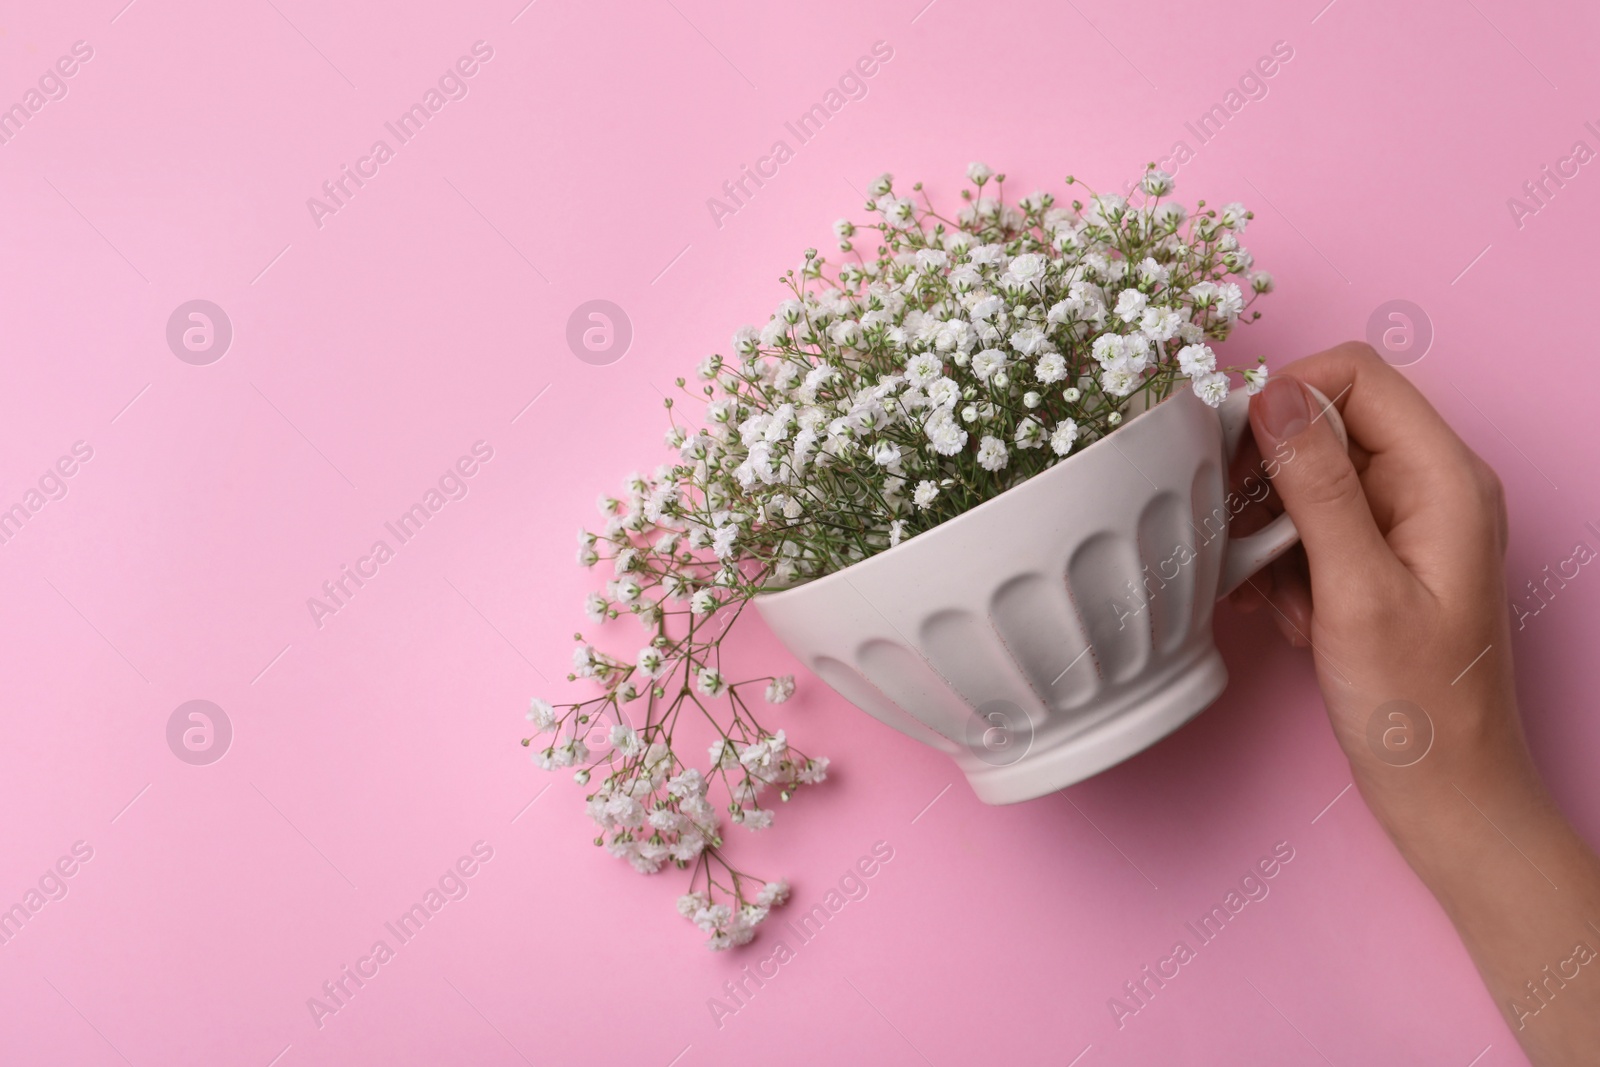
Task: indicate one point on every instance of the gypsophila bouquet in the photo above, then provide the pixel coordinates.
(883, 397)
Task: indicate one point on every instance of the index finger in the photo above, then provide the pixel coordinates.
(1425, 487)
(1382, 410)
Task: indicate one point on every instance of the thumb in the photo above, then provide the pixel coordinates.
(1321, 490)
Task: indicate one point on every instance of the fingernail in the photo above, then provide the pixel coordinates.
(1284, 411)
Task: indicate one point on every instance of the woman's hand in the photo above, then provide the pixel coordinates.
(1400, 594)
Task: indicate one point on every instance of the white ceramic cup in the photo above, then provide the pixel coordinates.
(1062, 626)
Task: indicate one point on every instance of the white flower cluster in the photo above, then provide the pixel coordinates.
(883, 397)
(726, 924)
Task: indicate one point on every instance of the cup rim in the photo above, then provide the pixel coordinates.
(1140, 418)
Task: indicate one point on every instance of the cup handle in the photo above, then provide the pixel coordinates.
(1246, 555)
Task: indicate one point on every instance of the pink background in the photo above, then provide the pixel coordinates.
(372, 752)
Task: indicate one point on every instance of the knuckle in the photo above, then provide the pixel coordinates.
(1332, 483)
(1359, 352)
(1488, 484)
(1490, 495)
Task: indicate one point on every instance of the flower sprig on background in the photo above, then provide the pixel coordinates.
(883, 397)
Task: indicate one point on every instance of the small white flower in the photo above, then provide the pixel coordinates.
(650, 662)
(1119, 381)
(1170, 216)
(1131, 305)
(1196, 360)
(1255, 380)
(1156, 182)
(945, 435)
(992, 454)
(1230, 301)
(1261, 282)
(571, 752)
(978, 174)
(1160, 324)
(773, 894)
(1030, 341)
(542, 715)
(780, 689)
(1026, 269)
(987, 362)
(709, 681)
(723, 754)
(690, 783)
(901, 213)
(897, 532)
(1066, 432)
(885, 453)
(985, 308)
(1030, 433)
(626, 740)
(584, 664)
(1212, 388)
(880, 185)
(1051, 368)
(722, 540)
(943, 393)
(924, 369)
(926, 493)
(814, 772)
(1106, 209)
(703, 602)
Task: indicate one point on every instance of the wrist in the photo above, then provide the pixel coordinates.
(1468, 810)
